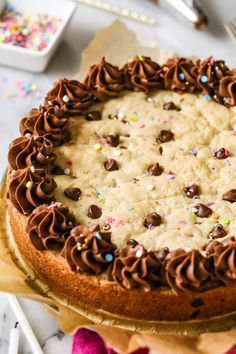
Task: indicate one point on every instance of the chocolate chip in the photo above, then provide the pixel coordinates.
(94, 115)
(161, 150)
(197, 302)
(170, 106)
(106, 227)
(111, 165)
(191, 191)
(113, 140)
(73, 193)
(94, 212)
(217, 231)
(152, 219)
(57, 170)
(165, 136)
(203, 211)
(155, 170)
(195, 314)
(230, 196)
(127, 135)
(221, 154)
(162, 253)
(132, 243)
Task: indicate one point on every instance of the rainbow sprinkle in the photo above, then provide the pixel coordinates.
(141, 125)
(102, 201)
(110, 220)
(31, 31)
(29, 184)
(225, 222)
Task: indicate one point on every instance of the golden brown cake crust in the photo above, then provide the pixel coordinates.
(96, 293)
(145, 281)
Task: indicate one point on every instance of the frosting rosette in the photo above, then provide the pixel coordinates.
(30, 187)
(210, 73)
(180, 75)
(89, 250)
(27, 151)
(186, 271)
(142, 74)
(134, 267)
(70, 96)
(227, 90)
(44, 122)
(105, 80)
(49, 226)
(224, 254)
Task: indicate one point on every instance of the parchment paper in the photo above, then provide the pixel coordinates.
(117, 44)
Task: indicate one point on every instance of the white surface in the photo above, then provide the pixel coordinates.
(169, 33)
(32, 60)
(51, 339)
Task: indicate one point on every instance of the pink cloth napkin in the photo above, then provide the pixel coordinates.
(89, 342)
(232, 351)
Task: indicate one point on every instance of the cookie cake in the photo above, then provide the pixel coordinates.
(121, 190)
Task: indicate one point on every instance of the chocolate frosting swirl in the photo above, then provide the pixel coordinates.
(71, 96)
(27, 151)
(49, 226)
(224, 254)
(210, 73)
(180, 75)
(105, 80)
(44, 122)
(227, 90)
(186, 271)
(135, 268)
(142, 74)
(89, 250)
(28, 189)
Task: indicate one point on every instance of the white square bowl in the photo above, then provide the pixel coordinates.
(33, 60)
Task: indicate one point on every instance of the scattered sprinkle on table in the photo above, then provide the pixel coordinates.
(25, 89)
(31, 31)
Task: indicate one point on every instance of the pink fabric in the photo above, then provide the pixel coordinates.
(89, 342)
(232, 351)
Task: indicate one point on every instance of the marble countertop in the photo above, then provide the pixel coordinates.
(169, 34)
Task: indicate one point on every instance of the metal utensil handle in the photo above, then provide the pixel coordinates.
(188, 11)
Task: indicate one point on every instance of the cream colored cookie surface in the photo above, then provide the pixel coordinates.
(128, 194)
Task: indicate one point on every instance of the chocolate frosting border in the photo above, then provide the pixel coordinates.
(134, 266)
